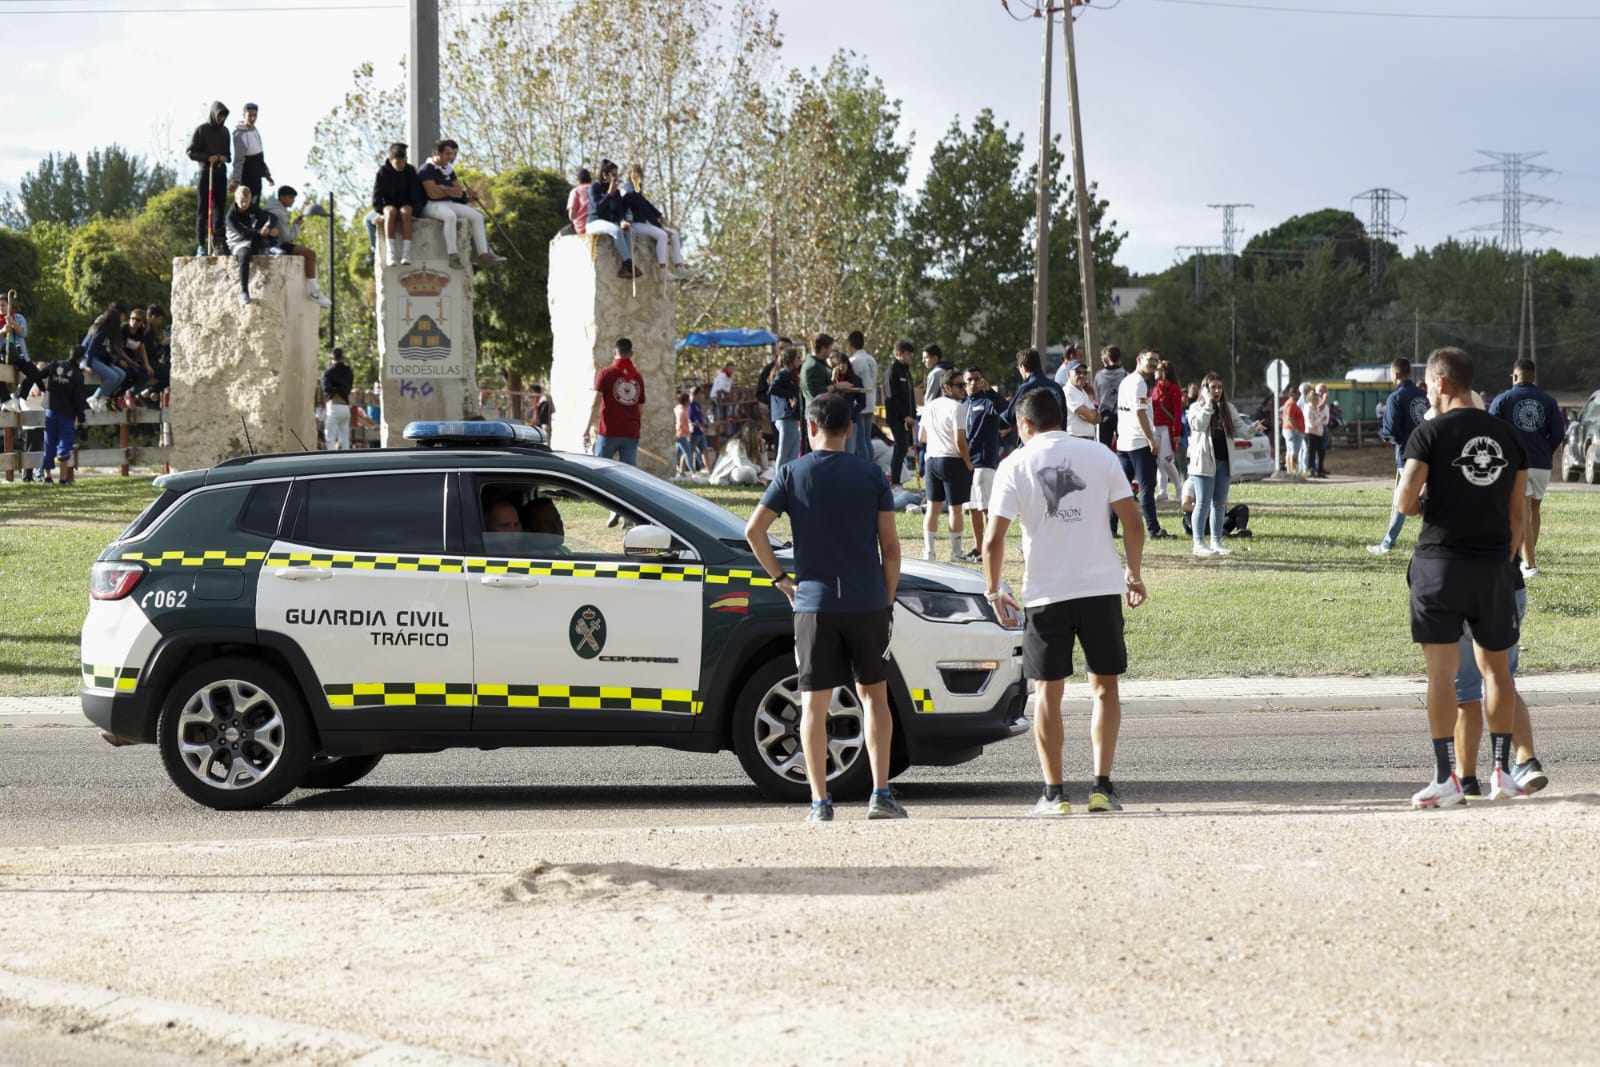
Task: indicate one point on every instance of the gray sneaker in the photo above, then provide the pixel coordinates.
(885, 806)
(1530, 776)
(1059, 806)
(1380, 549)
(821, 811)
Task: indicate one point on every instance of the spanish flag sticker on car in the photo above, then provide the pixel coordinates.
(732, 603)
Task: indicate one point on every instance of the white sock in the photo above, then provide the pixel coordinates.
(927, 543)
(955, 544)
(390, 258)
(405, 250)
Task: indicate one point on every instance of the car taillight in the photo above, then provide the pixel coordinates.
(1243, 444)
(115, 579)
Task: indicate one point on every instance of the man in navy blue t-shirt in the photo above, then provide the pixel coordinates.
(1539, 421)
(1403, 412)
(847, 565)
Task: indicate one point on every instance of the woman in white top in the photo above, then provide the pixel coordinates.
(1213, 425)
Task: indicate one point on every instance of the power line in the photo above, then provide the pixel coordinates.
(1379, 228)
(1231, 4)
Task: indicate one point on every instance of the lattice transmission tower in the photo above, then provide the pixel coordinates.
(1380, 226)
(1229, 230)
(1512, 167)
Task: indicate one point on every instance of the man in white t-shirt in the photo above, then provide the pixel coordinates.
(1136, 438)
(1083, 413)
(1060, 488)
(949, 463)
(865, 368)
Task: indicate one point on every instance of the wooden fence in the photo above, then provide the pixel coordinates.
(14, 424)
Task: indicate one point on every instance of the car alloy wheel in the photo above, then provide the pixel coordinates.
(766, 727)
(233, 734)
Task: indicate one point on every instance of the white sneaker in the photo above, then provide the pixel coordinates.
(1379, 549)
(1218, 550)
(97, 403)
(1202, 550)
(1046, 806)
(1504, 786)
(319, 296)
(1445, 794)
(1529, 572)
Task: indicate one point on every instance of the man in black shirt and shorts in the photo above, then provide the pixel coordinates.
(846, 569)
(1464, 469)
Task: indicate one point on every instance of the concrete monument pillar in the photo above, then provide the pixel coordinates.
(590, 307)
(425, 339)
(236, 366)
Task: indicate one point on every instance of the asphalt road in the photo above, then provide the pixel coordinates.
(1266, 897)
(62, 783)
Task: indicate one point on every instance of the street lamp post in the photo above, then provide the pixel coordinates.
(317, 211)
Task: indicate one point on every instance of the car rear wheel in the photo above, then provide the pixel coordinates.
(336, 772)
(766, 737)
(234, 734)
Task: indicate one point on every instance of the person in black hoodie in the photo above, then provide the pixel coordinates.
(250, 232)
(211, 148)
(66, 403)
(397, 196)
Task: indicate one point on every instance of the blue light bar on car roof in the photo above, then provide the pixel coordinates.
(473, 432)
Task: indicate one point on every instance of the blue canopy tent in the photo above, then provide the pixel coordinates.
(743, 338)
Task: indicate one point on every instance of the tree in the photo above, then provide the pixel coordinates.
(109, 184)
(527, 208)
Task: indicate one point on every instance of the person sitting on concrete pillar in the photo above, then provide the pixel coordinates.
(249, 162)
(448, 200)
(278, 207)
(648, 221)
(397, 197)
(608, 215)
(250, 232)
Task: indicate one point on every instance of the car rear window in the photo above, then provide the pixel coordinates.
(373, 513)
(261, 512)
(150, 514)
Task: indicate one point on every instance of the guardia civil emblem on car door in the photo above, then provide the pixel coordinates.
(587, 631)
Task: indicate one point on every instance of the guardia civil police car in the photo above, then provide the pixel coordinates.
(286, 620)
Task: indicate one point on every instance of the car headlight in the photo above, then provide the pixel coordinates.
(949, 607)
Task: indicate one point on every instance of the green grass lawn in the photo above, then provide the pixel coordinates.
(1302, 597)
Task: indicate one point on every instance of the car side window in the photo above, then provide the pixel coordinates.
(372, 513)
(547, 518)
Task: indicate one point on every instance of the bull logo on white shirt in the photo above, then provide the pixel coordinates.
(1481, 461)
(1058, 484)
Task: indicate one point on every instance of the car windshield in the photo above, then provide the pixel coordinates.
(712, 519)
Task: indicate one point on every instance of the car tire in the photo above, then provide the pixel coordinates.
(766, 737)
(336, 772)
(234, 734)
(1591, 468)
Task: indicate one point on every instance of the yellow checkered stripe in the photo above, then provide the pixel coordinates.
(367, 561)
(569, 568)
(122, 679)
(922, 700)
(370, 561)
(398, 694)
(465, 694)
(737, 576)
(212, 558)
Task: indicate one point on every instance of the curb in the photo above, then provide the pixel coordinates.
(147, 1020)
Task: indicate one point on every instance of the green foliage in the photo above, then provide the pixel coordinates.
(110, 183)
(526, 208)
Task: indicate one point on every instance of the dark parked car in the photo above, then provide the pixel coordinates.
(1583, 433)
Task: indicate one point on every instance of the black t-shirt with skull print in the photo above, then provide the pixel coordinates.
(1472, 459)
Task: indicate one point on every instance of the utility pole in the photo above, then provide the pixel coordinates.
(1080, 191)
(1416, 335)
(1199, 253)
(1041, 246)
(772, 273)
(1379, 228)
(422, 78)
(1229, 232)
(1512, 167)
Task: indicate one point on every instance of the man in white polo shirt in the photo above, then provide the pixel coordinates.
(1136, 437)
(1073, 584)
(1083, 413)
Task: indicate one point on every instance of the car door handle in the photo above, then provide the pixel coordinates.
(510, 581)
(302, 574)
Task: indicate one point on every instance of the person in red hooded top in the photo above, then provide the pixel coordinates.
(618, 404)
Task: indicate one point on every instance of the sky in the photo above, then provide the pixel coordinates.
(1287, 105)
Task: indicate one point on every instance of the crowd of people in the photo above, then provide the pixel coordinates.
(616, 207)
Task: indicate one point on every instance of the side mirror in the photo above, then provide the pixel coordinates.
(648, 541)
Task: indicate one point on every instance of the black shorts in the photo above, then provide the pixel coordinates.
(949, 480)
(1095, 622)
(832, 648)
(1447, 593)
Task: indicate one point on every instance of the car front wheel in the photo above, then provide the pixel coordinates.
(234, 734)
(1591, 468)
(766, 737)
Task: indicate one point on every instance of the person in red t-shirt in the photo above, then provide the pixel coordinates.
(1166, 411)
(618, 404)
